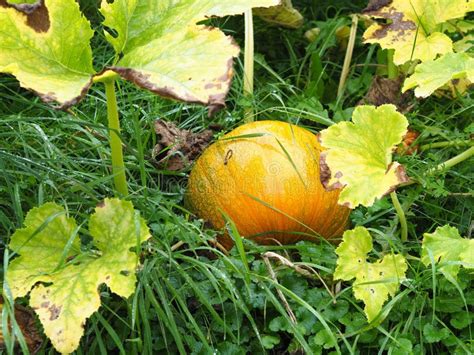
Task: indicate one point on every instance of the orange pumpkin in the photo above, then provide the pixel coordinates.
(265, 177)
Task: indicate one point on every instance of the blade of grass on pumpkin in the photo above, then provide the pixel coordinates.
(283, 213)
(244, 136)
(288, 156)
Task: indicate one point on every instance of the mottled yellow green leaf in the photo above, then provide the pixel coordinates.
(282, 15)
(67, 293)
(41, 245)
(433, 74)
(352, 253)
(374, 282)
(446, 248)
(47, 49)
(163, 49)
(412, 27)
(358, 158)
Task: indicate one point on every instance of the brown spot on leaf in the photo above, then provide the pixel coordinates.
(324, 171)
(396, 22)
(44, 304)
(54, 312)
(177, 148)
(37, 16)
(388, 91)
(51, 97)
(325, 174)
(101, 204)
(212, 85)
(376, 5)
(401, 174)
(215, 102)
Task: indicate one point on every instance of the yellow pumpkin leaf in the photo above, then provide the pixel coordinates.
(359, 155)
(446, 248)
(374, 282)
(162, 48)
(63, 280)
(44, 52)
(412, 27)
(284, 15)
(433, 74)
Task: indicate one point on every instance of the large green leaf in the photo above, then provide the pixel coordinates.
(68, 290)
(359, 155)
(374, 282)
(161, 47)
(446, 247)
(412, 28)
(433, 74)
(46, 47)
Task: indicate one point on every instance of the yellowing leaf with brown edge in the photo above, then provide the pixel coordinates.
(412, 27)
(358, 156)
(64, 281)
(163, 49)
(284, 15)
(46, 47)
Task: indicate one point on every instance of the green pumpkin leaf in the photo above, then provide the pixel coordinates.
(63, 280)
(433, 74)
(162, 49)
(412, 27)
(284, 15)
(449, 250)
(359, 155)
(46, 47)
(374, 282)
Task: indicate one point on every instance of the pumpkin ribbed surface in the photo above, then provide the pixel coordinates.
(265, 177)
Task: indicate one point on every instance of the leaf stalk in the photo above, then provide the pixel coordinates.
(248, 63)
(118, 166)
(348, 57)
(401, 216)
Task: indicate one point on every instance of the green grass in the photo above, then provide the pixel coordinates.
(195, 299)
